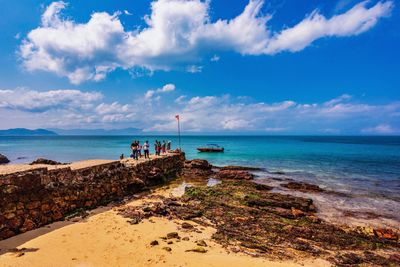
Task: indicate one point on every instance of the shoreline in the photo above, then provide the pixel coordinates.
(103, 236)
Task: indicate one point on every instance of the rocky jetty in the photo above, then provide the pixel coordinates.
(4, 159)
(33, 198)
(249, 218)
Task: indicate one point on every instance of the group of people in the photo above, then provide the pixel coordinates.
(159, 148)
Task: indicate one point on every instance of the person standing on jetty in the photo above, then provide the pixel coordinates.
(139, 149)
(156, 148)
(169, 145)
(163, 146)
(134, 147)
(146, 150)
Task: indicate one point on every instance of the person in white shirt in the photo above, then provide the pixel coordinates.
(146, 150)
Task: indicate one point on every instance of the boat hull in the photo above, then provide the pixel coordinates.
(205, 149)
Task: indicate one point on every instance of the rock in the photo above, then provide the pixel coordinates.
(185, 238)
(298, 213)
(27, 225)
(3, 159)
(45, 161)
(234, 175)
(263, 187)
(278, 172)
(387, 234)
(303, 187)
(186, 225)
(172, 235)
(348, 259)
(201, 243)
(197, 168)
(154, 243)
(197, 164)
(170, 242)
(167, 249)
(395, 258)
(240, 168)
(198, 250)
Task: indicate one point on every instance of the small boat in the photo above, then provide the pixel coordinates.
(211, 148)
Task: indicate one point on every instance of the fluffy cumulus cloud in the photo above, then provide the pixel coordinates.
(165, 89)
(35, 101)
(177, 35)
(226, 113)
(78, 109)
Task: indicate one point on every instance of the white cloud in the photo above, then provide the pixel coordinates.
(165, 89)
(177, 36)
(215, 58)
(126, 12)
(78, 109)
(380, 129)
(355, 21)
(35, 101)
(114, 107)
(194, 69)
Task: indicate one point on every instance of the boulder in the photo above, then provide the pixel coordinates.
(197, 164)
(303, 187)
(45, 161)
(240, 168)
(3, 159)
(234, 175)
(386, 234)
(197, 168)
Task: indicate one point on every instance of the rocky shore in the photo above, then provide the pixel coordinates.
(235, 221)
(250, 218)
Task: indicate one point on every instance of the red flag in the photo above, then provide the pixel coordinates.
(177, 117)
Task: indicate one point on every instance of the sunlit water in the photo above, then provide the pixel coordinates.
(368, 168)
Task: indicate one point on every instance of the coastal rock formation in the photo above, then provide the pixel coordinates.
(33, 198)
(45, 161)
(197, 168)
(303, 187)
(251, 219)
(239, 168)
(3, 159)
(198, 164)
(386, 234)
(234, 175)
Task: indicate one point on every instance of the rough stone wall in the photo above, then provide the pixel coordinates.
(34, 198)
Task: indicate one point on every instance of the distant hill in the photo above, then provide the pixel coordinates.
(26, 132)
(125, 131)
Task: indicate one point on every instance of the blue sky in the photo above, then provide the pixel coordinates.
(272, 67)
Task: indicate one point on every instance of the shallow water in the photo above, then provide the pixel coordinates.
(367, 168)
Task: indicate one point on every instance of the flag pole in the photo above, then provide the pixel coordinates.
(179, 132)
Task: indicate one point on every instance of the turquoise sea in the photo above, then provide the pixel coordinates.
(368, 168)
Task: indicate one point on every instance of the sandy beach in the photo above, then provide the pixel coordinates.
(105, 238)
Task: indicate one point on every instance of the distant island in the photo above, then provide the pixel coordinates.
(55, 132)
(26, 132)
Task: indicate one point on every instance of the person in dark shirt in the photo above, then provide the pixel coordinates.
(134, 147)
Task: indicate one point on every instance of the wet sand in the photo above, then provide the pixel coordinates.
(107, 239)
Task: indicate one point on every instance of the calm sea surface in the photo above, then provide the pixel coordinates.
(366, 167)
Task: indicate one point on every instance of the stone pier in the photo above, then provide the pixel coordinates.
(33, 196)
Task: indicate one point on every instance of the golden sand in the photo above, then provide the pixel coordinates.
(107, 239)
